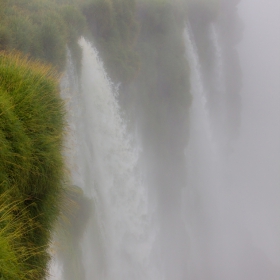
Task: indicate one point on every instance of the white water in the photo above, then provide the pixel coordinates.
(219, 116)
(113, 181)
(202, 208)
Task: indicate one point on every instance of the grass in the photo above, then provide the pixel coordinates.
(14, 252)
(32, 171)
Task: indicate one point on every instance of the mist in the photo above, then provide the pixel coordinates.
(254, 165)
(236, 234)
(181, 162)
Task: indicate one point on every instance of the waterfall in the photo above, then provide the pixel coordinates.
(119, 238)
(159, 212)
(197, 153)
(227, 198)
(118, 192)
(218, 96)
(202, 206)
(122, 239)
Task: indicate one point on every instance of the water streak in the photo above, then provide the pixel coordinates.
(201, 207)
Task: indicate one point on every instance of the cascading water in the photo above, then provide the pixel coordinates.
(120, 196)
(219, 110)
(227, 198)
(119, 237)
(201, 207)
(210, 221)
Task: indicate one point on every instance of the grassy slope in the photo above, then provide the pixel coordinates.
(31, 163)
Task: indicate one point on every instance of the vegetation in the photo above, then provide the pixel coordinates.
(32, 128)
(161, 96)
(41, 28)
(15, 255)
(163, 77)
(31, 164)
(114, 28)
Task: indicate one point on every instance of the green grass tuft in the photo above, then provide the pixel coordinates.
(32, 119)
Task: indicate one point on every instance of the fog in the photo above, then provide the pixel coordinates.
(254, 165)
(183, 192)
(235, 226)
